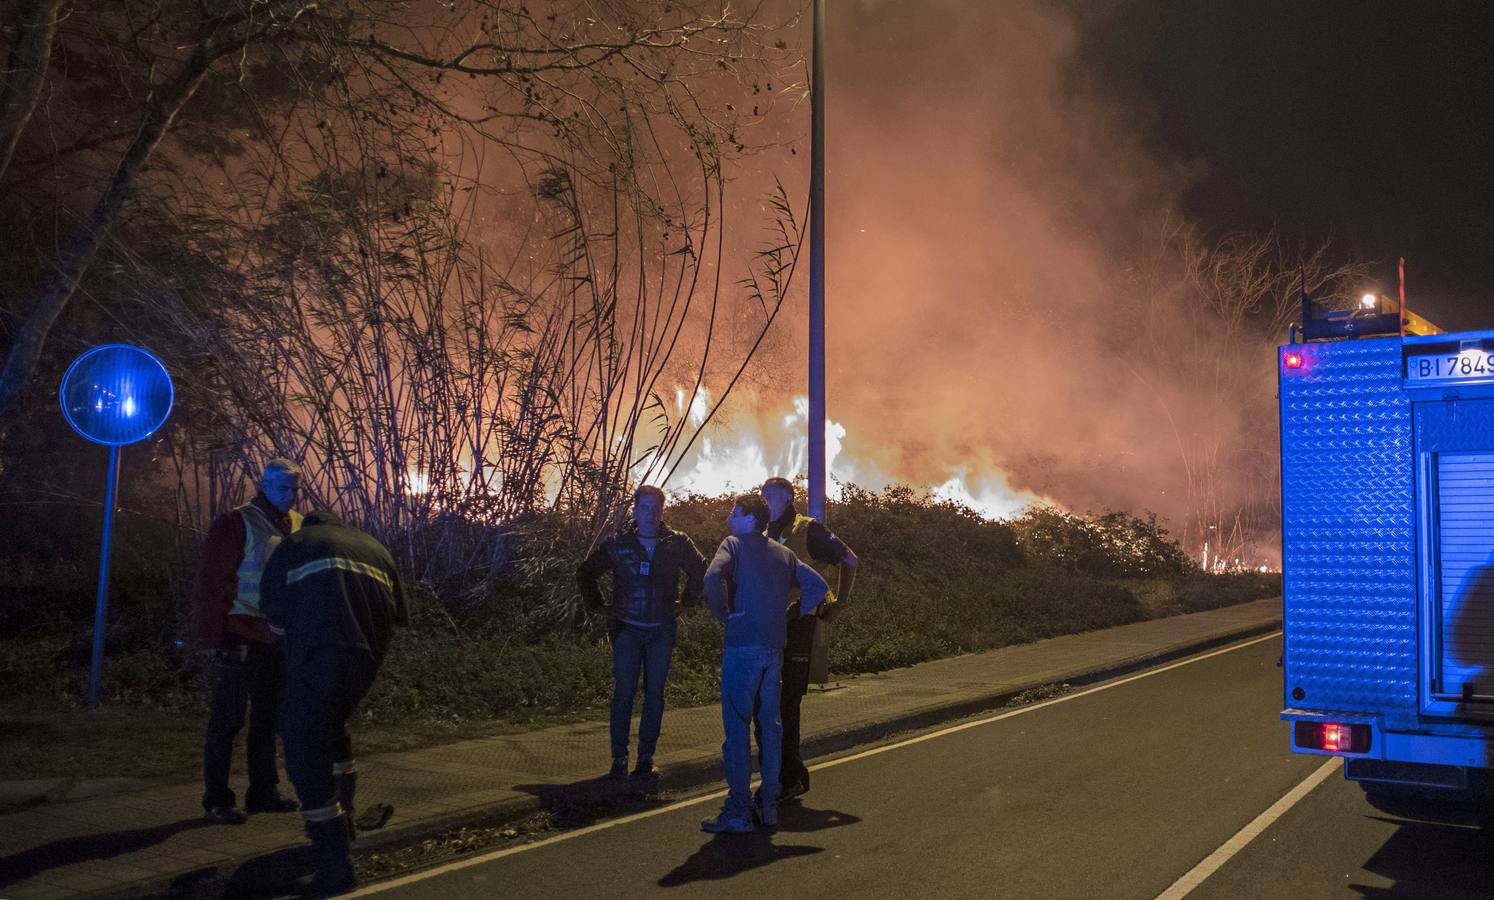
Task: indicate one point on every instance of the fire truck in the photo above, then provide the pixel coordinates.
(1387, 481)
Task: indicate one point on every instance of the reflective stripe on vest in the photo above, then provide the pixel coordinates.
(796, 538)
(261, 537)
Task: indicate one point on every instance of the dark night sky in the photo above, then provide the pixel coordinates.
(1366, 122)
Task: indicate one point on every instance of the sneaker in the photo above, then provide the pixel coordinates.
(224, 815)
(727, 823)
(270, 803)
(619, 769)
(795, 788)
(645, 770)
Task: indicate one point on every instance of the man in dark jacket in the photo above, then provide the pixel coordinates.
(229, 629)
(334, 594)
(646, 560)
(815, 544)
(749, 585)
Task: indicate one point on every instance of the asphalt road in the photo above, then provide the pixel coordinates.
(1334, 844)
(1112, 794)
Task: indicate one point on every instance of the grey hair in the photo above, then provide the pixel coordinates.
(280, 466)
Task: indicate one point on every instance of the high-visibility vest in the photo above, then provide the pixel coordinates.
(261, 537)
(796, 538)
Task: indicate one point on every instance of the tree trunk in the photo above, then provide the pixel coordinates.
(27, 66)
(75, 255)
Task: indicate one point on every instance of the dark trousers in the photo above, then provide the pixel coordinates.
(246, 683)
(646, 651)
(321, 694)
(795, 686)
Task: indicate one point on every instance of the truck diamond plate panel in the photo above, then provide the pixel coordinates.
(1348, 530)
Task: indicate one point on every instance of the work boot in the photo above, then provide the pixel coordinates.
(796, 788)
(764, 814)
(334, 860)
(619, 770)
(347, 789)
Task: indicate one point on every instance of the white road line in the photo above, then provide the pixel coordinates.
(694, 801)
(1211, 864)
(1022, 710)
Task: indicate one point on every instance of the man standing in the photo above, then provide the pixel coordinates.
(813, 543)
(748, 586)
(646, 560)
(334, 593)
(230, 628)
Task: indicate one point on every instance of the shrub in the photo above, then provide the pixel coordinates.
(1113, 545)
(1200, 592)
(935, 579)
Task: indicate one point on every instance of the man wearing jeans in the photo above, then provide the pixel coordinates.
(748, 586)
(646, 560)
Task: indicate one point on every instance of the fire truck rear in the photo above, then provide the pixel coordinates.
(1387, 474)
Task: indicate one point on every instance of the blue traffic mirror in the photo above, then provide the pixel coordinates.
(116, 394)
(113, 395)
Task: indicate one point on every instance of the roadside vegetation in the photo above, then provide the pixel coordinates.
(516, 652)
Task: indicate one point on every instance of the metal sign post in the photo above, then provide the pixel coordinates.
(101, 603)
(817, 469)
(113, 395)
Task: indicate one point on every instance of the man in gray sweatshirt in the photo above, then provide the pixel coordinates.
(747, 587)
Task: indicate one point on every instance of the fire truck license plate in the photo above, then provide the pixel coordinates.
(1469, 364)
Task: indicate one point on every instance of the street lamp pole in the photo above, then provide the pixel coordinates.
(817, 469)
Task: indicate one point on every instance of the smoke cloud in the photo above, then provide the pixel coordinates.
(986, 206)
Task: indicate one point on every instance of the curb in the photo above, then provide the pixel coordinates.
(699, 773)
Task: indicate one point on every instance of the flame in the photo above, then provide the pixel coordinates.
(994, 497)
(468, 480)
(739, 455)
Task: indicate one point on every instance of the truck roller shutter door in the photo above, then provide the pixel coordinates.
(1465, 534)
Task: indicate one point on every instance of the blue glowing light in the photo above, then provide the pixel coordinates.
(116, 394)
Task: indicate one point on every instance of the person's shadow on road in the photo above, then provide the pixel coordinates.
(33, 862)
(1427, 859)
(266, 876)
(585, 802)
(728, 855)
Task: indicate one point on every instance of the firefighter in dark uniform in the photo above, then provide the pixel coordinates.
(816, 545)
(334, 594)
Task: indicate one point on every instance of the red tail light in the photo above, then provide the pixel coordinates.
(1334, 737)
(1292, 360)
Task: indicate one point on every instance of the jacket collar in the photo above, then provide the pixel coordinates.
(265, 506)
(631, 530)
(781, 524)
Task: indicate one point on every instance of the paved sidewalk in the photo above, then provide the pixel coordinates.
(93, 838)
